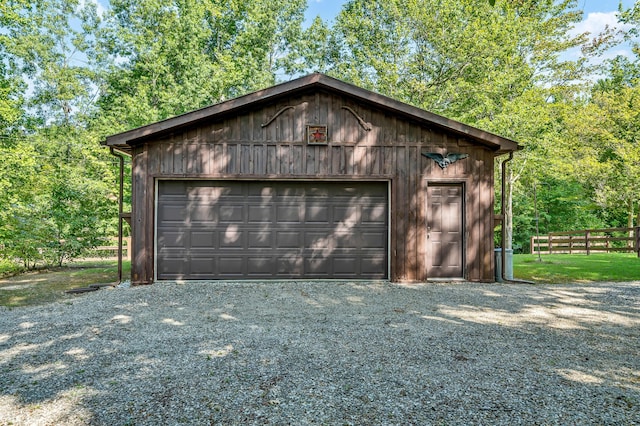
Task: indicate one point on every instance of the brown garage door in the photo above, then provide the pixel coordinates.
(247, 230)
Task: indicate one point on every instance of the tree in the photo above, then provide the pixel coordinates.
(608, 128)
(499, 68)
(164, 59)
(54, 174)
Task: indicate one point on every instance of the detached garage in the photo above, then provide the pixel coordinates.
(311, 179)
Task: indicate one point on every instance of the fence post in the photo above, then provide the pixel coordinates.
(532, 249)
(550, 242)
(128, 241)
(587, 241)
(570, 244)
(637, 240)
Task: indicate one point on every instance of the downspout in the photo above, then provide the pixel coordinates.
(120, 211)
(503, 231)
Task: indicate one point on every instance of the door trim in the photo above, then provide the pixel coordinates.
(387, 180)
(462, 184)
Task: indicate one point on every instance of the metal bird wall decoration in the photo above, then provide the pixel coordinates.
(445, 160)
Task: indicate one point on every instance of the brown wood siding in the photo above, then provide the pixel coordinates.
(239, 147)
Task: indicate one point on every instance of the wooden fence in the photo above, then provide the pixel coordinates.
(587, 241)
(111, 251)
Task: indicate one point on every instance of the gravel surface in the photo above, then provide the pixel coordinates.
(326, 353)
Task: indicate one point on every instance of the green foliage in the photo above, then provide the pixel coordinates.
(58, 196)
(166, 58)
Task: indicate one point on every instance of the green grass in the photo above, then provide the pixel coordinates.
(577, 268)
(36, 288)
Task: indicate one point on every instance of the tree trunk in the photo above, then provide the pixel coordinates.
(630, 215)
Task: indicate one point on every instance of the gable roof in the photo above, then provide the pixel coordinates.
(123, 141)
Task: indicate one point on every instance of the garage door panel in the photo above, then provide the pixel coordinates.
(345, 266)
(316, 214)
(232, 237)
(175, 213)
(231, 265)
(260, 214)
(173, 266)
(203, 239)
(372, 239)
(217, 230)
(202, 266)
(172, 239)
(288, 214)
(345, 214)
(260, 266)
(318, 267)
(260, 239)
(290, 266)
(288, 239)
(231, 214)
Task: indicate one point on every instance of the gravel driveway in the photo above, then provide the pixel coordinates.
(326, 353)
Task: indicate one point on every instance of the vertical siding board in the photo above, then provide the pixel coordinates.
(323, 109)
(246, 127)
(285, 125)
(413, 133)
(350, 124)
(246, 160)
(389, 160)
(360, 160)
(218, 164)
(297, 161)
(272, 159)
(300, 120)
(487, 273)
(284, 159)
(412, 249)
(271, 130)
(390, 130)
(167, 151)
(178, 158)
(234, 127)
(259, 164)
(401, 212)
(401, 134)
(375, 136)
(473, 221)
(310, 159)
(334, 161)
(335, 119)
(374, 157)
(421, 209)
(257, 132)
(207, 158)
(231, 158)
(323, 161)
(349, 159)
(139, 265)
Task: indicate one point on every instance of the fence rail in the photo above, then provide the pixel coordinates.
(112, 250)
(587, 241)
